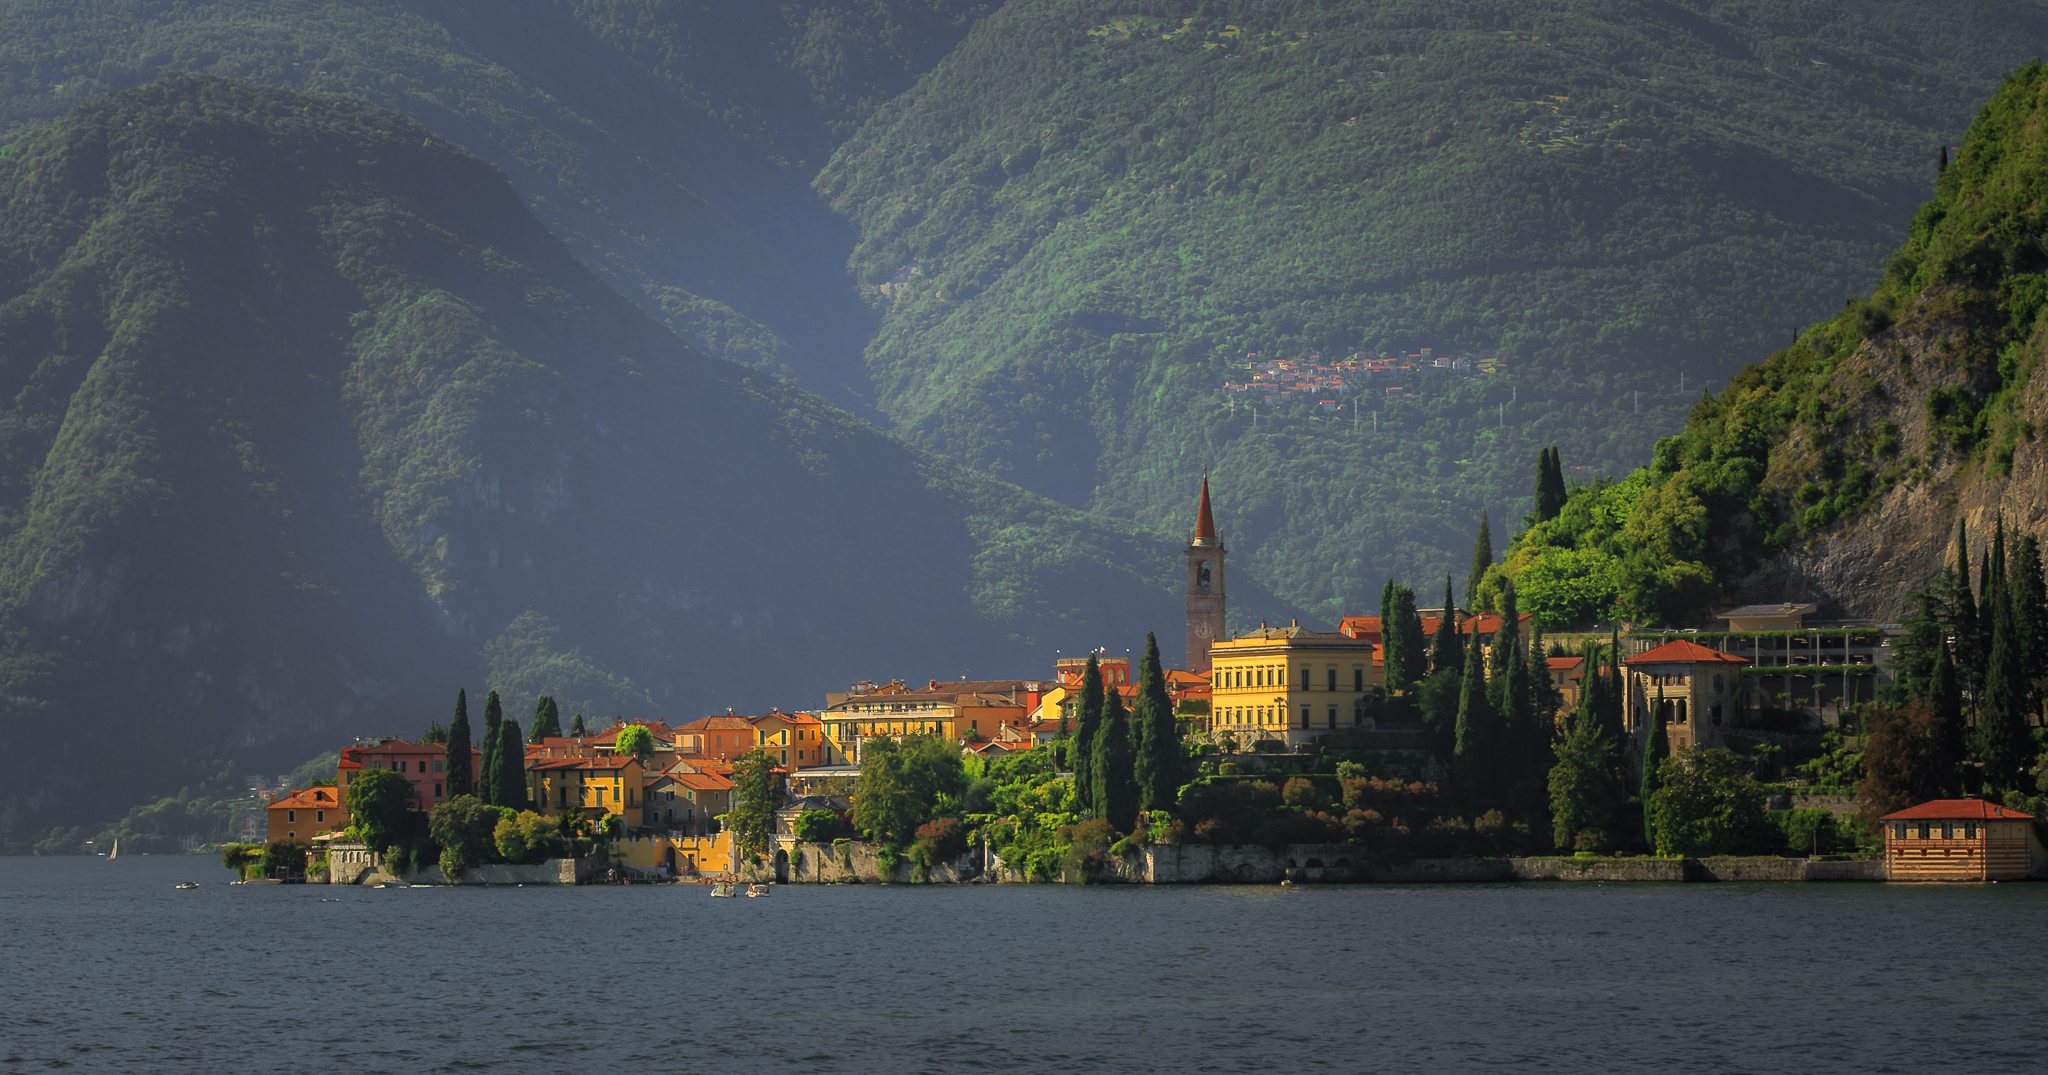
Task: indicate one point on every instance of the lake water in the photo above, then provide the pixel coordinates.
(108, 968)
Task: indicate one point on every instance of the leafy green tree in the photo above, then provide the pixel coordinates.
(818, 825)
(1907, 758)
(1475, 763)
(1159, 760)
(636, 740)
(1705, 804)
(2004, 746)
(1585, 797)
(1116, 786)
(379, 802)
(524, 837)
(756, 795)
(900, 785)
(1655, 746)
(460, 775)
(1482, 560)
(1087, 722)
(547, 719)
(464, 827)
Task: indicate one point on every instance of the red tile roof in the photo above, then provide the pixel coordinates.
(1563, 664)
(1205, 520)
(1681, 651)
(1958, 810)
(601, 761)
(721, 723)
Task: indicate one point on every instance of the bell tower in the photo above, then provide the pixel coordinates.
(1205, 585)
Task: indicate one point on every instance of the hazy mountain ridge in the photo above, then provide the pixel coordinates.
(669, 142)
(310, 422)
(1076, 219)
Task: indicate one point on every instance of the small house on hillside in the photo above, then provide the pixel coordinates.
(1958, 840)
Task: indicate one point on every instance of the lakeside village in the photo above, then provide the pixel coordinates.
(1415, 744)
(1313, 384)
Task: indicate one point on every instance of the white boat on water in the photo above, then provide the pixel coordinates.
(723, 889)
(114, 852)
(756, 890)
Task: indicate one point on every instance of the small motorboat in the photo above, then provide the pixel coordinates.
(723, 889)
(182, 885)
(756, 890)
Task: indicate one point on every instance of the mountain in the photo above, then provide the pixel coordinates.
(1079, 223)
(1837, 469)
(670, 142)
(308, 421)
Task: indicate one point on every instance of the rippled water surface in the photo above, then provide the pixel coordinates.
(108, 968)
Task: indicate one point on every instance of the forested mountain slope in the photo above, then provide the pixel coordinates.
(308, 421)
(1837, 469)
(1086, 214)
(669, 141)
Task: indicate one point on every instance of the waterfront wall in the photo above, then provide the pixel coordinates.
(353, 864)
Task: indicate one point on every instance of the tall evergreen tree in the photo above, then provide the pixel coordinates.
(508, 768)
(1475, 747)
(1945, 698)
(1585, 795)
(1914, 655)
(1547, 699)
(1405, 653)
(1158, 737)
(1482, 559)
(1550, 492)
(459, 765)
(1390, 662)
(547, 719)
(2028, 592)
(1655, 746)
(494, 716)
(1110, 764)
(2004, 745)
(1616, 717)
(1444, 651)
(1507, 642)
(577, 728)
(1962, 613)
(1087, 723)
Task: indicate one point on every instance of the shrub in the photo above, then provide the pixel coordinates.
(527, 837)
(1301, 792)
(819, 825)
(942, 840)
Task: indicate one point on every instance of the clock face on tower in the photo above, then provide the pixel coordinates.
(1201, 629)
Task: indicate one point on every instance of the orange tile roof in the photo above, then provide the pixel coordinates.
(1958, 810)
(702, 781)
(1563, 664)
(598, 761)
(724, 722)
(1681, 651)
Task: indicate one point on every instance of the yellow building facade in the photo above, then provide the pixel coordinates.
(589, 787)
(1289, 684)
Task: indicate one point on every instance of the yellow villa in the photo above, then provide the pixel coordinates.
(1289, 684)
(967, 711)
(589, 787)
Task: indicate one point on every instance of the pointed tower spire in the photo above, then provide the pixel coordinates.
(1205, 520)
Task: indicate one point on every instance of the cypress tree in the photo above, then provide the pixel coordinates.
(1475, 745)
(1655, 746)
(1913, 667)
(1444, 651)
(1087, 722)
(1616, 717)
(1545, 699)
(1550, 493)
(547, 719)
(460, 775)
(1116, 789)
(1159, 751)
(1941, 164)
(1507, 642)
(577, 728)
(1407, 628)
(2028, 593)
(1482, 558)
(1945, 697)
(1390, 660)
(494, 718)
(1962, 612)
(2004, 746)
(508, 772)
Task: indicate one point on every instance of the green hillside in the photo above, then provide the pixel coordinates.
(1078, 224)
(1929, 387)
(670, 142)
(307, 421)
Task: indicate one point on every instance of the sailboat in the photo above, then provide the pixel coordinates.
(114, 851)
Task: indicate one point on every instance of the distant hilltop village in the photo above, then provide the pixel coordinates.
(1328, 383)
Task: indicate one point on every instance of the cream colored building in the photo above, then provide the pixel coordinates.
(1289, 684)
